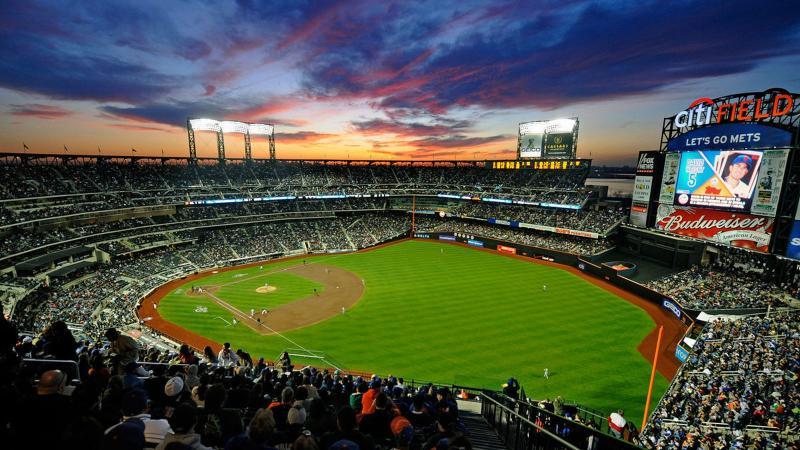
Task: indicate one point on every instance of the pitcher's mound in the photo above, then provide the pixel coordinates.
(266, 289)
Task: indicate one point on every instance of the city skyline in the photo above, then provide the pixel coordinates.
(361, 80)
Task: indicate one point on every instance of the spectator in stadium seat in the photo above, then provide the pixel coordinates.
(357, 394)
(46, 415)
(126, 350)
(418, 415)
(154, 385)
(368, 399)
(238, 395)
(183, 421)
(286, 362)
(305, 442)
(346, 424)
(192, 380)
(176, 392)
(445, 431)
(85, 433)
(378, 423)
(134, 406)
(131, 379)
(227, 357)
(186, 355)
(320, 419)
(217, 424)
(511, 388)
(258, 434)
(297, 413)
(616, 423)
(445, 404)
(280, 412)
(57, 342)
(210, 356)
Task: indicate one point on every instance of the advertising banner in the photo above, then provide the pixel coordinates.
(531, 145)
(475, 242)
(639, 213)
(642, 186)
(681, 353)
(671, 163)
(533, 226)
(579, 233)
(444, 237)
(646, 168)
(717, 179)
(671, 307)
(769, 182)
(731, 136)
(793, 247)
(558, 144)
(506, 249)
(736, 229)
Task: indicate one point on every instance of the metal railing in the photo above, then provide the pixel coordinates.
(525, 427)
(40, 366)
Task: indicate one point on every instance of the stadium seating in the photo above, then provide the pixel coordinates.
(738, 389)
(82, 244)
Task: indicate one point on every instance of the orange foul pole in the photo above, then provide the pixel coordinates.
(652, 377)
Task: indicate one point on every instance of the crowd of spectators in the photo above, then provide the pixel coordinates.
(105, 295)
(52, 190)
(221, 399)
(739, 389)
(546, 240)
(599, 221)
(736, 279)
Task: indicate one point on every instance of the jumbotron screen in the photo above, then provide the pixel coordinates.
(547, 139)
(730, 180)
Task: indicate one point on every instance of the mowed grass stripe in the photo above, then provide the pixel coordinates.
(456, 315)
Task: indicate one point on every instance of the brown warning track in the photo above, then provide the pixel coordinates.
(313, 309)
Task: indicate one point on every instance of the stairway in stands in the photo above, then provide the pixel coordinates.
(482, 436)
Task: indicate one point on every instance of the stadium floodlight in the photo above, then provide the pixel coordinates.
(260, 129)
(205, 125)
(229, 126)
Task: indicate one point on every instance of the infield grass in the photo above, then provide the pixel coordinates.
(453, 314)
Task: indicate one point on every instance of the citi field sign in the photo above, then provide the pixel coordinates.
(764, 106)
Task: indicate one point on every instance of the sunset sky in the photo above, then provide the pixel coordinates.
(377, 79)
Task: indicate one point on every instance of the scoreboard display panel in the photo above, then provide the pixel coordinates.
(746, 181)
(717, 179)
(548, 139)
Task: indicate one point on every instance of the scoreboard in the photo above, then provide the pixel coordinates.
(557, 164)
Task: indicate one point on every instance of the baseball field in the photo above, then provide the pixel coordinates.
(430, 311)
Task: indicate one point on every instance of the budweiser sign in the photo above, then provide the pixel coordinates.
(740, 230)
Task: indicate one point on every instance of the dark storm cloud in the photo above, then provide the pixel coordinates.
(405, 58)
(173, 113)
(380, 126)
(31, 64)
(557, 58)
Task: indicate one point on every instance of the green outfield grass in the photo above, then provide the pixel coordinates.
(453, 314)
